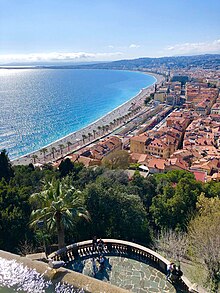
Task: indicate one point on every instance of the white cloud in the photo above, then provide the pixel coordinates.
(201, 47)
(134, 46)
(56, 56)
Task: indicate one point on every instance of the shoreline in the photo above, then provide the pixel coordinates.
(75, 140)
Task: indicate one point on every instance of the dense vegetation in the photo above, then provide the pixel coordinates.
(135, 210)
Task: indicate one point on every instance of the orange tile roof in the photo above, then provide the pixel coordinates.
(88, 161)
(135, 157)
(143, 158)
(157, 163)
(140, 138)
(178, 163)
(200, 175)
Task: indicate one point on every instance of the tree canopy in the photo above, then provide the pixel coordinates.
(116, 160)
(134, 209)
(6, 171)
(58, 205)
(204, 233)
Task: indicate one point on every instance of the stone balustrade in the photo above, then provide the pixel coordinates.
(121, 248)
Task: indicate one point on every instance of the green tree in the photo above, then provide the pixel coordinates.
(116, 160)
(61, 146)
(44, 151)
(89, 135)
(58, 205)
(14, 215)
(69, 143)
(86, 176)
(115, 213)
(212, 189)
(65, 167)
(175, 201)
(53, 150)
(84, 137)
(34, 157)
(147, 100)
(204, 236)
(119, 177)
(27, 176)
(99, 129)
(6, 170)
(103, 129)
(144, 187)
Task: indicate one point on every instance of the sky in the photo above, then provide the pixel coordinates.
(104, 30)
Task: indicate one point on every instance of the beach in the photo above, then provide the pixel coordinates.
(78, 139)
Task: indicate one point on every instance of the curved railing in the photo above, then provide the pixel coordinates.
(117, 247)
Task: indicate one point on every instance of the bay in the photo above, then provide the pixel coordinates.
(39, 106)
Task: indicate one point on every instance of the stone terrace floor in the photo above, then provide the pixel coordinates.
(127, 273)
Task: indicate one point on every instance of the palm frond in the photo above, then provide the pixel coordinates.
(58, 197)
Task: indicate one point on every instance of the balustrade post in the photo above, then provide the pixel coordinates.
(129, 250)
(75, 251)
(109, 247)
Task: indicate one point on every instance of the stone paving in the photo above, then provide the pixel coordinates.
(127, 273)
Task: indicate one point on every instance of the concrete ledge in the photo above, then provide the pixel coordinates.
(77, 280)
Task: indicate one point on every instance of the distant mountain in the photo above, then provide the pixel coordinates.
(208, 61)
(47, 64)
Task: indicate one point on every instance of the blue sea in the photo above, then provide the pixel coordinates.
(39, 106)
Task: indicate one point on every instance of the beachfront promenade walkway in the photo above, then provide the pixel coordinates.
(127, 265)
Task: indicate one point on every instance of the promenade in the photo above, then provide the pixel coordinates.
(93, 131)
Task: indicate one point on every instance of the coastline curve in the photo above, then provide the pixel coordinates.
(75, 138)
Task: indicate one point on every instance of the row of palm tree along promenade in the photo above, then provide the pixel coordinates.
(120, 121)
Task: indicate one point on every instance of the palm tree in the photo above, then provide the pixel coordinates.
(34, 157)
(94, 132)
(44, 151)
(103, 129)
(89, 135)
(58, 206)
(53, 150)
(61, 146)
(99, 128)
(83, 138)
(68, 145)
